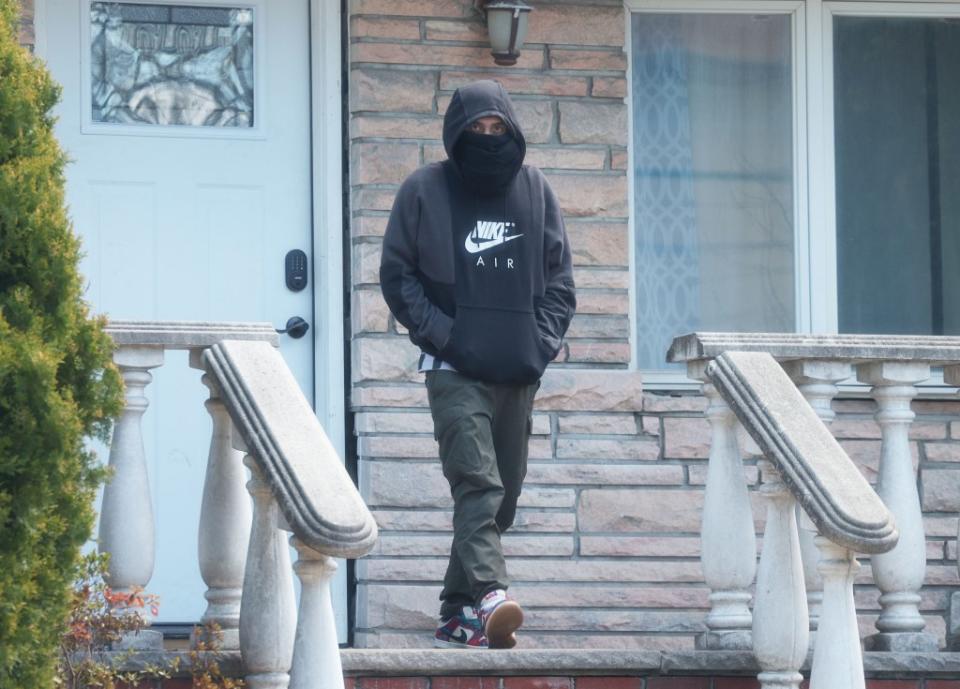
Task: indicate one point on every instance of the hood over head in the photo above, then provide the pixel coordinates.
(473, 101)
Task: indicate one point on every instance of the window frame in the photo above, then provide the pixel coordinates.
(815, 248)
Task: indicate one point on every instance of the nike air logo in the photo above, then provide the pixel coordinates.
(460, 636)
(488, 234)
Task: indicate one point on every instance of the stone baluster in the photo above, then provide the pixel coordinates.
(817, 381)
(813, 582)
(126, 515)
(781, 626)
(951, 376)
(268, 612)
(837, 656)
(316, 655)
(899, 573)
(225, 515)
(728, 540)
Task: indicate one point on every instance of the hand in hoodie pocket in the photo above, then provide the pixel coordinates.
(496, 345)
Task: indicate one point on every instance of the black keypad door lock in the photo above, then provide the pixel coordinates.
(296, 328)
(295, 270)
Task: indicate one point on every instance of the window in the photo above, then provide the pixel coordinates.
(713, 175)
(897, 132)
(795, 168)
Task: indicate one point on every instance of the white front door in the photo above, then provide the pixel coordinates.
(188, 127)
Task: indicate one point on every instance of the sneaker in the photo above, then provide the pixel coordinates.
(460, 631)
(500, 617)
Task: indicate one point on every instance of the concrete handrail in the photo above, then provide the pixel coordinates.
(316, 495)
(822, 478)
(256, 408)
(186, 334)
(295, 471)
(791, 346)
(126, 529)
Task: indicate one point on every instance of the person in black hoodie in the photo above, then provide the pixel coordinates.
(476, 265)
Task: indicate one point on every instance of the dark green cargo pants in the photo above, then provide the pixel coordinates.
(483, 430)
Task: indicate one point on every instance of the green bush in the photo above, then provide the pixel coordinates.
(57, 385)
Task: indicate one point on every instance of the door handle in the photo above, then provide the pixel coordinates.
(296, 328)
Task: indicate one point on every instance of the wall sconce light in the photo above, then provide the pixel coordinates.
(507, 28)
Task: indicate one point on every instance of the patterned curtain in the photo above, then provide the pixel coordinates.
(665, 210)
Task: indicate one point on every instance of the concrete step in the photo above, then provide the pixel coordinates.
(574, 669)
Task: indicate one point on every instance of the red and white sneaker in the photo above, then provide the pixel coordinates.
(462, 630)
(500, 617)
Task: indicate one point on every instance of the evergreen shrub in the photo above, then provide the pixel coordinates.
(57, 385)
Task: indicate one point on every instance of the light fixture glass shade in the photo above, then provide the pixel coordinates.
(507, 28)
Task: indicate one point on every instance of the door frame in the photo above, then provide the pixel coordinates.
(326, 127)
(326, 183)
(326, 74)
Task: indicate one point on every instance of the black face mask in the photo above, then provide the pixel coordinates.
(487, 163)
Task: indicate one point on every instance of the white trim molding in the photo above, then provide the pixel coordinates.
(327, 146)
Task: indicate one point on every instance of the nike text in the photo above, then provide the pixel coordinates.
(488, 234)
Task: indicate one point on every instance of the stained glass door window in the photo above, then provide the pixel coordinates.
(181, 65)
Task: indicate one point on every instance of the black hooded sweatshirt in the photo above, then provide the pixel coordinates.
(481, 278)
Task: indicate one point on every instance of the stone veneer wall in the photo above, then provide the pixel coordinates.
(406, 59)
(26, 24)
(605, 552)
(605, 549)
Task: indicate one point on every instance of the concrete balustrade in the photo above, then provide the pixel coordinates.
(889, 368)
(803, 465)
(257, 410)
(297, 485)
(126, 516)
